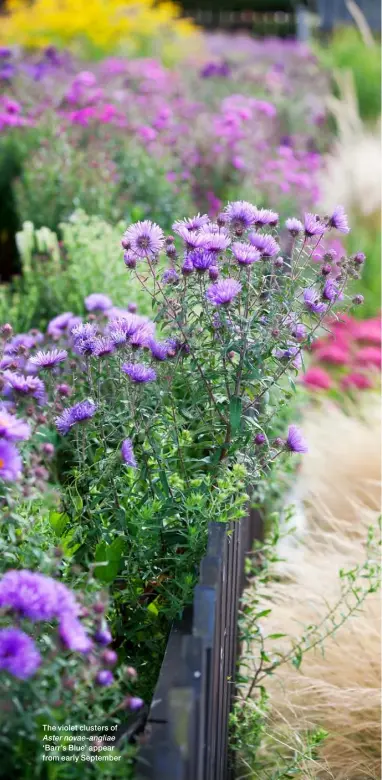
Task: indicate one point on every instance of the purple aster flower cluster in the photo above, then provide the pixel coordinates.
(19, 655)
(78, 413)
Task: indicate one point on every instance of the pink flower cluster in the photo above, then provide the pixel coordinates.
(347, 359)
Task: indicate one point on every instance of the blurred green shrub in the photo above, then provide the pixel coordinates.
(57, 276)
(347, 50)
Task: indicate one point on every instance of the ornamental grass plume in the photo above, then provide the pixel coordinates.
(336, 687)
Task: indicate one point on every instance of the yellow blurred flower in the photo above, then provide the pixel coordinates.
(99, 27)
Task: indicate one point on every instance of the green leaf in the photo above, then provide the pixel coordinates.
(111, 556)
(235, 408)
(58, 521)
(66, 542)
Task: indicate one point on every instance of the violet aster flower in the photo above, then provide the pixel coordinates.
(103, 346)
(24, 385)
(330, 291)
(312, 301)
(105, 677)
(294, 226)
(201, 259)
(98, 302)
(145, 239)
(139, 373)
(103, 636)
(266, 217)
(117, 333)
(84, 330)
(18, 653)
(12, 428)
(159, 350)
(295, 441)
(49, 359)
(241, 214)
(298, 331)
(78, 413)
(194, 223)
(10, 461)
(142, 336)
(74, 636)
(187, 267)
(245, 254)
(20, 344)
(192, 239)
(223, 292)
(58, 324)
(313, 225)
(35, 596)
(170, 276)
(265, 243)
(339, 220)
(135, 703)
(127, 453)
(216, 242)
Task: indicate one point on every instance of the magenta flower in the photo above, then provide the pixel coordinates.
(144, 239)
(295, 441)
(223, 292)
(245, 254)
(18, 653)
(127, 453)
(216, 242)
(139, 373)
(49, 359)
(10, 461)
(339, 220)
(12, 428)
(312, 301)
(78, 413)
(317, 378)
(98, 302)
(192, 239)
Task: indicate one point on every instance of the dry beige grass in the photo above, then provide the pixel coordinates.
(338, 689)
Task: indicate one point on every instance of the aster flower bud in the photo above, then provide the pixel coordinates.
(48, 448)
(275, 332)
(170, 240)
(64, 390)
(99, 608)
(359, 258)
(129, 260)
(278, 442)
(279, 262)
(260, 439)
(358, 300)
(171, 251)
(132, 308)
(109, 657)
(326, 269)
(104, 677)
(213, 273)
(6, 330)
(126, 244)
(131, 672)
